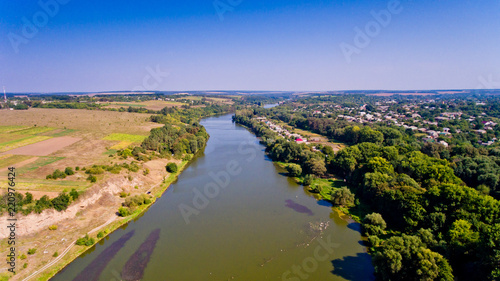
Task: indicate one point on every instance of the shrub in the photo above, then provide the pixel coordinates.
(171, 168)
(69, 171)
(92, 178)
(61, 202)
(58, 174)
(294, 170)
(55, 254)
(308, 179)
(23, 257)
(95, 170)
(124, 212)
(145, 172)
(77, 168)
(53, 227)
(25, 265)
(100, 234)
(137, 200)
(74, 194)
(32, 251)
(123, 194)
(85, 241)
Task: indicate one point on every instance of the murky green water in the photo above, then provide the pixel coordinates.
(230, 216)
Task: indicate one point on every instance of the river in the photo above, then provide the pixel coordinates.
(232, 215)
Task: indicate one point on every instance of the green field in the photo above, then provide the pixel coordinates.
(40, 162)
(8, 129)
(125, 137)
(51, 185)
(10, 160)
(33, 130)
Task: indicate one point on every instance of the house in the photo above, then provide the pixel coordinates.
(300, 141)
(444, 143)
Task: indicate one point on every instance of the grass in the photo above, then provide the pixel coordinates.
(34, 130)
(13, 159)
(21, 142)
(40, 162)
(8, 129)
(125, 137)
(51, 185)
(10, 137)
(121, 145)
(62, 133)
(87, 123)
(110, 152)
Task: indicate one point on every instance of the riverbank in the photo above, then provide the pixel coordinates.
(94, 214)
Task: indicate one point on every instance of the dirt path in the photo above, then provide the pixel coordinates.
(71, 245)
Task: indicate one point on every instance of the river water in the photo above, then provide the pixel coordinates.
(232, 215)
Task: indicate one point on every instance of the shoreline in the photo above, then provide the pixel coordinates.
(109, 227)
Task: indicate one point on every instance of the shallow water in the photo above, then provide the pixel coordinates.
(233, 215)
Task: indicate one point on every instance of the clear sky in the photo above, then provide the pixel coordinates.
(76, 45)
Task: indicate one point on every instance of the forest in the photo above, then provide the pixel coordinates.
(430, 210)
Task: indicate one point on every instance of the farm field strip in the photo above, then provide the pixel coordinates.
(121, 145)
(13, 159)
(33, 130)
(49, 185)
(45, 147)
(6, 146)
(125, 137)
(40, 162)
(9, 129)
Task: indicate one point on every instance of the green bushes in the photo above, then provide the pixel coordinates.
(61, 202)
(137, 200)
(171, 168)
(85, 241)
(124, 212)
(74, 194)
(374, 224)
(57, 174)
(31, 251)
(69, 171)
(342, 197)
(294, 170)
(131, 203)
(92, 178)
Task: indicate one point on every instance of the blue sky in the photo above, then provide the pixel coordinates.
(252, 45)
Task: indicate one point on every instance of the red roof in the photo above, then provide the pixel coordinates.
(298, 140)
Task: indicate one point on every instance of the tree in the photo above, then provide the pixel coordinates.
(171, 168)
(69, 171)
(407, 258)
(308, 179)
(315, 166)
(294, 170)
(343, 197)
(374, 224)
(461, 233)
(61, 202)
